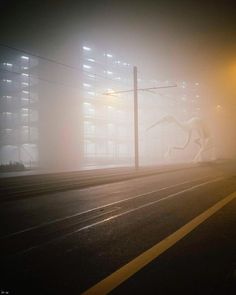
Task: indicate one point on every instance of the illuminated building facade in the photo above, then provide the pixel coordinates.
(87, 126)
(107, 119)
(18, 110)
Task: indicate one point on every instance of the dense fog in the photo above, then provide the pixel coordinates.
(83, 53)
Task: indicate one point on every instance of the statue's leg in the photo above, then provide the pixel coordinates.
(168, 153)
(205, 145)
(198, 142)
(202, 145)
(210, 146)
(213, 153)
(198, 156)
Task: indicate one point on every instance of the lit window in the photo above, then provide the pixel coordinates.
(7, 64)
(91, 59)
(25, 92)
(6, 113)
(24, 57)
(154, 81)
(91, 76)
(89, 127)
(86, 67)
(25, 75)
(109, 55)
(86, 48)
(7, 80)
(86, 85)
(25, 84)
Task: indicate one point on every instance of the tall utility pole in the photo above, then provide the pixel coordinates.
(135, 91)
(136, 137)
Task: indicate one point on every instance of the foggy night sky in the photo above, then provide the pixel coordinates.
(166, 39)
(194, 34)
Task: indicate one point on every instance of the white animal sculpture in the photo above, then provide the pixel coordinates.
(194, 127)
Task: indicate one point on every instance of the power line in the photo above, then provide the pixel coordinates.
(140, 89)
(55, 61)
(40, 57)
(43, 79)
(79, 70)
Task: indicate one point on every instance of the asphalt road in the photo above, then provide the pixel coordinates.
(65, 243)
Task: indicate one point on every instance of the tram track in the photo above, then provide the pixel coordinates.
(13, 188)
(43, 234)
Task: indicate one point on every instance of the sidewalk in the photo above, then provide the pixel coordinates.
(28, 185)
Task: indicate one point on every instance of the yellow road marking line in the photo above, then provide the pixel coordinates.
(115, 279)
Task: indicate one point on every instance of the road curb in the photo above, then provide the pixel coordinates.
(21, 187)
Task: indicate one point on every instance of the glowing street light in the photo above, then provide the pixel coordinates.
(218, 108)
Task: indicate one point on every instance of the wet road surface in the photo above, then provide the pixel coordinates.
(66, 242)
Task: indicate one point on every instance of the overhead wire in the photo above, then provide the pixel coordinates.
(71, 67)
